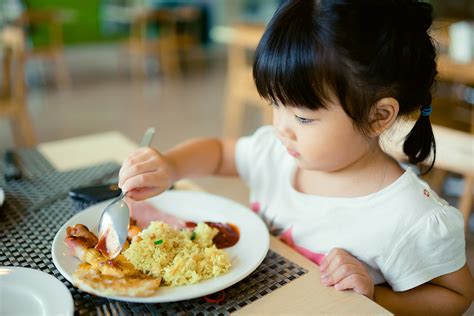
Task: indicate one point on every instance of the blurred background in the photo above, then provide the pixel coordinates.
(73, 68)
(98, 65)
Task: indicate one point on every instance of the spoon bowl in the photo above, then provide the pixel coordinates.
(113, 227)
(115, 219)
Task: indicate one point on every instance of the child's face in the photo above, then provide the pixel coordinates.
(323, 140)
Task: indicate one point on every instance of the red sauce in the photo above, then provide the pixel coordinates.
(102, 246)
(190, 224)
(227, 236)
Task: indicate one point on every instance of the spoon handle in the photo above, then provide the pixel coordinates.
(121, 196)
(147, 137)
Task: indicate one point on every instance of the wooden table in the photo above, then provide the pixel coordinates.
(305, 295)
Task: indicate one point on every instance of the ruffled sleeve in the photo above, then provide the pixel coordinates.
(434, 246)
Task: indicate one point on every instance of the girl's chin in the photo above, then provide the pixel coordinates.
(303, 165)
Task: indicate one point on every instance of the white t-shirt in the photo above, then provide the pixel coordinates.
(404, 234)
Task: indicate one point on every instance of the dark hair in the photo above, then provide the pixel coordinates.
(359, 51)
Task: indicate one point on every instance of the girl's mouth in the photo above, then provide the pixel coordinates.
(293, 153)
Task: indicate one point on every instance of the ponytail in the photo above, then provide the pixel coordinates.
(420, 141)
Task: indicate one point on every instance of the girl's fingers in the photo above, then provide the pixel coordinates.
(339, 261)
(154, 179)
(145, 166)
(358, 283)
(127, 164)
(137, 156)
(344, 271)
(331, 256)
(340, 273)
(139, 152)
(349, 283)
(143, 193)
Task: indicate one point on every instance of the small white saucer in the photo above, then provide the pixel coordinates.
(26, 291)
(2, 196)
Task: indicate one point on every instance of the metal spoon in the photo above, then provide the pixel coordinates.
(115, 219)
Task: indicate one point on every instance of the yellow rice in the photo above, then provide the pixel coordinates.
(163, 251)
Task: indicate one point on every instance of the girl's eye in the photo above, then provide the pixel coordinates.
(303, 120)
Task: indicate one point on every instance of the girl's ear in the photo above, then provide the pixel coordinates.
(383, 115)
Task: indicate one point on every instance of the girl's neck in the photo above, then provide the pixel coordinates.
(369, 174)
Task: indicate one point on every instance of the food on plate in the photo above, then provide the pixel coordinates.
(99, 275)
(157, 254)
(178, 256)
(144, 213)
(227, 236)
(93, 281)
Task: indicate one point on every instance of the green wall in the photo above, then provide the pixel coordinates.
(83, 28)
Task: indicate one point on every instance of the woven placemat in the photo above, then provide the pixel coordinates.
(32, 163)
(26, 235)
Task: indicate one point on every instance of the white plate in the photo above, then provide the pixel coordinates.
(246, 255)
(25, 291)
(2, 196)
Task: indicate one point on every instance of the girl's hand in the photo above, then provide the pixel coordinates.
(146, 173)
(341, 269)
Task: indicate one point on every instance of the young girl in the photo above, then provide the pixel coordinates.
(338, 74)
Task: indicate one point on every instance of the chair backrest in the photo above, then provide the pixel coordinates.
(48, 18)
(140, 23)
(241, 90)
(242, 44)
(454, 149)
(13, 87)
(247, 35)
(166, 18)
(13, 65)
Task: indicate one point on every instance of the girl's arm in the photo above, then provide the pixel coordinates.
(450, 294)
(146, 172)
(203, 157)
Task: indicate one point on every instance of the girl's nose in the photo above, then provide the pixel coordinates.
(283, 127)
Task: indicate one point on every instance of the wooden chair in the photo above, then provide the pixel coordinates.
(455, 152)
(53, 50)
(189, 30)
(241, 90)
(455, 138)
(13, 88)
(167, 44)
